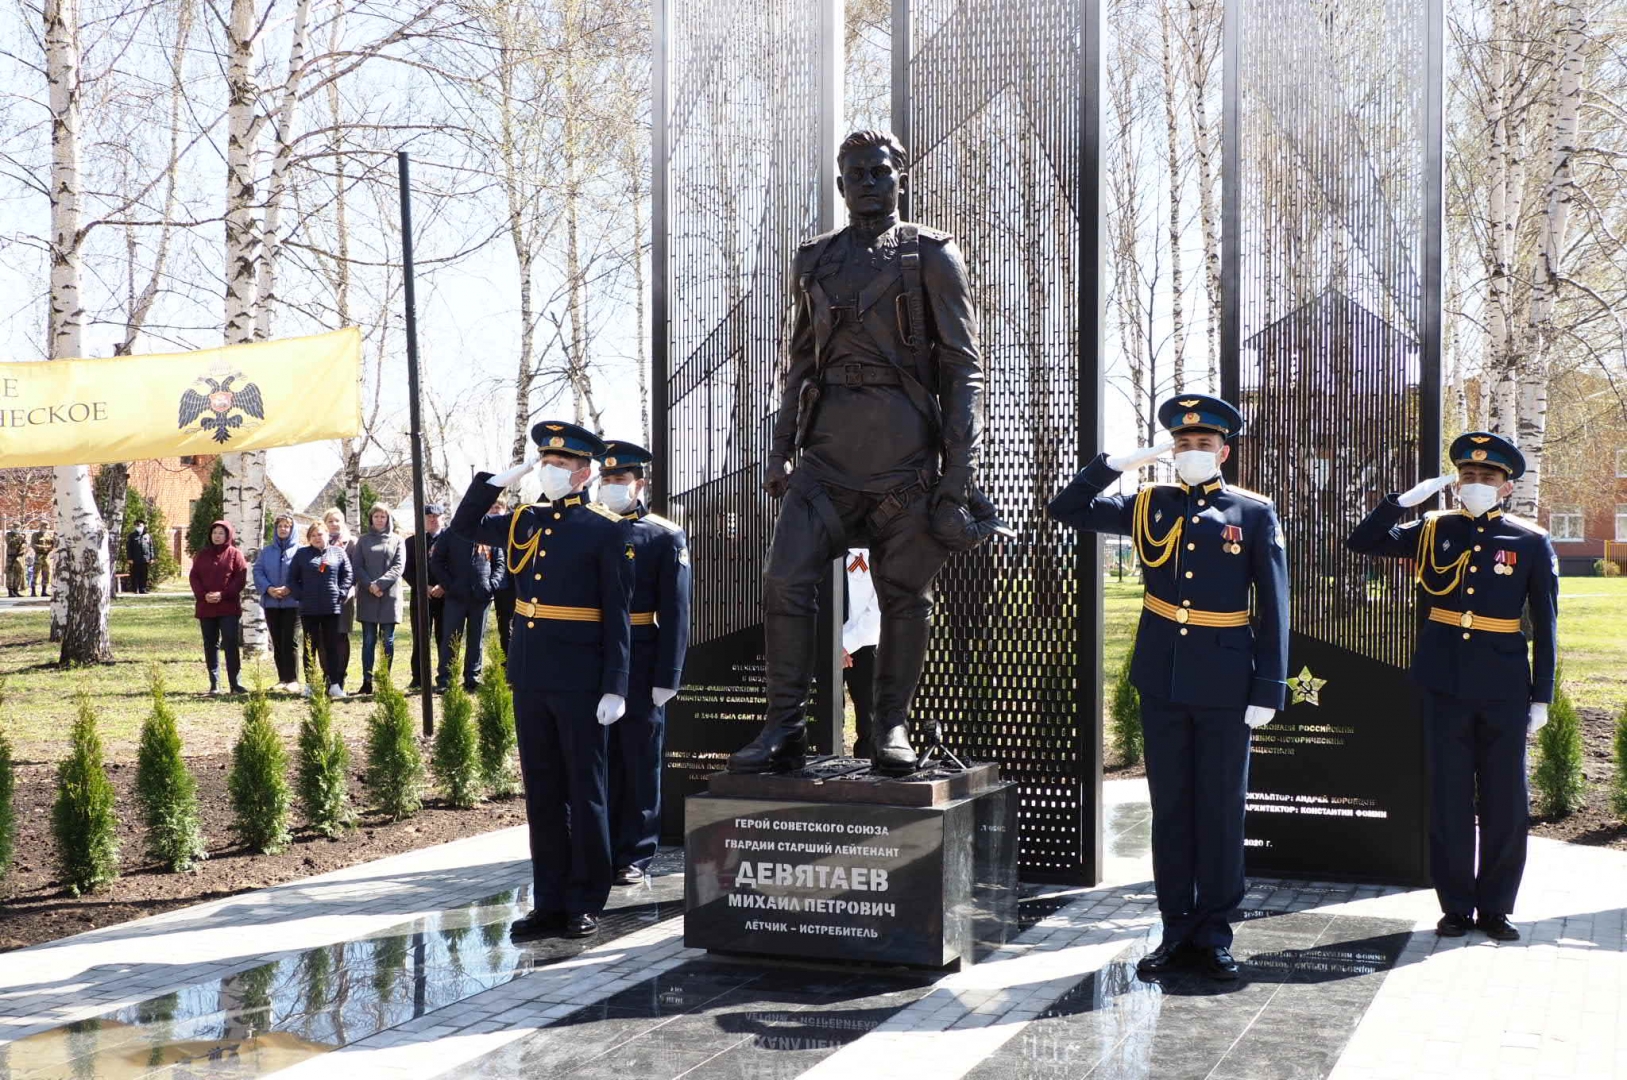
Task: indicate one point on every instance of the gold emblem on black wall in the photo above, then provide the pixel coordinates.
(1306, 688)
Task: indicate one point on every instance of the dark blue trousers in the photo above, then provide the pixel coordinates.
(1197, 773)
(636, 741)
(1476, 769)
(563, 761)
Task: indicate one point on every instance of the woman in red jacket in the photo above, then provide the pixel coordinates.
(219, 572)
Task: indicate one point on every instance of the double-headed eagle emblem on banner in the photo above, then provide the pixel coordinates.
(224, 404)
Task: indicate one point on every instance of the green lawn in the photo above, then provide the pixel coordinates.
(159, 628)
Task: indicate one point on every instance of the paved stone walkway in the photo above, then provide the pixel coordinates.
(402, 969)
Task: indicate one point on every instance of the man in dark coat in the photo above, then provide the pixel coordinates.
(436, 599)
(138, 552)
(472, 573)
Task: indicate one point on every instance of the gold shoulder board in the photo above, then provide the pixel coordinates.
(1526, 523)
(657, 519)
(604, 511)
(1246, 493)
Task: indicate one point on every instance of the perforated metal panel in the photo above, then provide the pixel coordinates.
(1336, 289)
(1331, 348)
(737, 182)
(999, 102)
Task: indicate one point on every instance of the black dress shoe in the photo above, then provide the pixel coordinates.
(1453, 925)
(1170, 956)
(777, 748)
(413, 688)
(1217, 963)
(367, 687)
(581, 926)
(537, 924)
(471, 685)
(238, 689)
(629, 875)
(894, 756)
(1497, 927)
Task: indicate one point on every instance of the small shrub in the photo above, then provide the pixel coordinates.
(1618, 786)
(1561, 787)
(456, 756)
(322, 782)
(1128, 738)
(1606, 568)
(83, 820)
(395, 768)
(165, 789)
(495, 720)
(258, 782)
(8, 792)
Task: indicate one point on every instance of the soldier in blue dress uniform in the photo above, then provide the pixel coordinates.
(1479, 570)
(568, 661)
(660, 620)
(1205, 676)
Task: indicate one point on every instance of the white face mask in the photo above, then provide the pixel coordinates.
(617, 497)
(1477, 498)
(1196, 466)
(556, 482)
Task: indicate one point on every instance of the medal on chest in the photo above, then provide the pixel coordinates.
(1231, 537)
(1505, 561)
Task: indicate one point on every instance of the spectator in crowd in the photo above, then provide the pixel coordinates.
(218, 575)
(339, 536)
(380, 556)
(421, 546)
(503, 598)
(271, 570)
(138, 552)
(472, 574)
(321, 577)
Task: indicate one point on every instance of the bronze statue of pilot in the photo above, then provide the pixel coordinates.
(875, 445)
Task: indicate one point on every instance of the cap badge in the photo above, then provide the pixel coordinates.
(1188, 404)
(1480, 438)
(1192, 418)
(1477, 455)
(554, 427)
(556, 441)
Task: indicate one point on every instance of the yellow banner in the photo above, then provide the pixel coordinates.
(212, 401)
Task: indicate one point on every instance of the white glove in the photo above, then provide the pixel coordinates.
(1258, 715)
(1539, 716)
(1426, 490)
(508, 476)
(661, 696)
(1139, 457)
(611, 706)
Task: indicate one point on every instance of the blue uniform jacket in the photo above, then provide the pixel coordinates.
(1193, 664)
(575, 557)
(661, 589)
(1449, 658)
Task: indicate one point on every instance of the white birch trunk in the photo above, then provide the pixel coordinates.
(81, 584)
(1173, 166)
(1559, 196)
(1201, 51)
(1499, 229)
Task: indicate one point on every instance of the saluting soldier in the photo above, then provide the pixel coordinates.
(660, 619)
(1479, 570)
(1206, 677)
(572, 562)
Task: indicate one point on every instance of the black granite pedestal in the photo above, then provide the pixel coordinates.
(835, 863)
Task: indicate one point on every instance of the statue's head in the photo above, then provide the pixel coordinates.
(871, 170)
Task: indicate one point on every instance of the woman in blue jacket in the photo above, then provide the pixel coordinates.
(282, 610)
(320, 577)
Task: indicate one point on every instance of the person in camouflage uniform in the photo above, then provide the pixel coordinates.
(43, 541)
(14, 562)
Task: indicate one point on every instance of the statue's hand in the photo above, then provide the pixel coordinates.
(777, 476)
(952, 486)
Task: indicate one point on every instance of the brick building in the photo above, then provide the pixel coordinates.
(1584, 483)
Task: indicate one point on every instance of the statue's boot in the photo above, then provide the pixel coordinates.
(899, 659)
(782, 745)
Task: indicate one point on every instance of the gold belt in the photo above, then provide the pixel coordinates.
(643, 618)
(1468, 620)
(550, 611)
(1184, 615)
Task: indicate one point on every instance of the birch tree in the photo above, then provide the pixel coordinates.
(78, 605)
